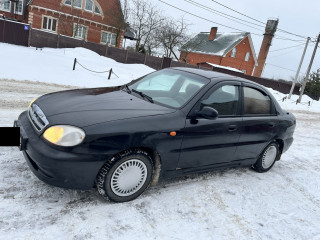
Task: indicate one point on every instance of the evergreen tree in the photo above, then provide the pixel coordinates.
(313, 84)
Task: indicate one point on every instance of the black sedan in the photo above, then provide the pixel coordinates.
(169, 123)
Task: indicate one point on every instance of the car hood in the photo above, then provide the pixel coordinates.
(86, 107)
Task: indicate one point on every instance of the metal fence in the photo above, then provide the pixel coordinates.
(14, 32)
(23, 34)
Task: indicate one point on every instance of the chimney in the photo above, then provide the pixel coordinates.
(213, 33)
(271, 28)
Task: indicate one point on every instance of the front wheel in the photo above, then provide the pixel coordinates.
(125, 176)
(267, 158)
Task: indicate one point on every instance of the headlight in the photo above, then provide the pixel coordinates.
(32, 102)
(63, 135)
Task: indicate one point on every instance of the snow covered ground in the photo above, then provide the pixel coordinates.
(283, 203)
(55, 66)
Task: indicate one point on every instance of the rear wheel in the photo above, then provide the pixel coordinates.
(125, 176)
(267, 158)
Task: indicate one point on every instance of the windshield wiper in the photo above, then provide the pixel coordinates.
(127, 88)
(143, 95)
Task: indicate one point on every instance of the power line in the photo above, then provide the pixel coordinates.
(286, 52)
(192, 14)
(282, 67)
(206, 18)
(279, 29)
(224, 14)
(237, 12)
(286, 48)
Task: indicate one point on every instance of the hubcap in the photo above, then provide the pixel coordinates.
(129, 177)
(269, 157)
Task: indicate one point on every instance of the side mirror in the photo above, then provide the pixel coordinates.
(208, 113)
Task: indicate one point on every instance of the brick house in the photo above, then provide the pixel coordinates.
(233, 50)
(97, 21)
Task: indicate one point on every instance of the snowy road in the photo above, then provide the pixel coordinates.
(283, 203)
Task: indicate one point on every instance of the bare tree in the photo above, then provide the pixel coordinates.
(172, 35)
(145, 20)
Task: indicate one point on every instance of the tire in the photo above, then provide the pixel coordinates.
(125, 176)
(267, 158)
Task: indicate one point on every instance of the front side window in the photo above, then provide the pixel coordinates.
(89, 5)
(49, 23)
(225, 100)
(109, 38)
(256, 102)
(169, 87)
(234, 53)
(80, 31)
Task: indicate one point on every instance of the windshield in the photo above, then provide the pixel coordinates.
(169, 87)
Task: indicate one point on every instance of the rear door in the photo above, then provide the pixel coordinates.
(260, 122)
(208, 142)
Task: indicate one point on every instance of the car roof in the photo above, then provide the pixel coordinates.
(211, 74)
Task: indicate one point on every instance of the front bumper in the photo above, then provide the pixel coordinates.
(56, 167)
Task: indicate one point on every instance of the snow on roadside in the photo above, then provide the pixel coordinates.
(55, 66)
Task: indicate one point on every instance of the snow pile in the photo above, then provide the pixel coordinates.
(291, 104)
(55, 66)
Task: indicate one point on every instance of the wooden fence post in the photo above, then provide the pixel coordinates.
(58, 40)
(145, 59)
(30, 35)
(4, 27)
(106, 54)
(126, 57)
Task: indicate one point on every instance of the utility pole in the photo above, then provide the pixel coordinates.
(309, 68)
(298, 71)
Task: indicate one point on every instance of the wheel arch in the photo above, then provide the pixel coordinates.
(281, 145)
(155, 157)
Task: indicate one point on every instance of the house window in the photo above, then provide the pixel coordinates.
(234, 53)
(89, 5)
(5, 5)
(49, 23)
(77, 3)
(19, 7)
(247, 56)
(109, 38)
(97, 10)
(80, 31)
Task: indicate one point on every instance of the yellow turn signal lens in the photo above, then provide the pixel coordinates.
(31, 103)
(53, 134)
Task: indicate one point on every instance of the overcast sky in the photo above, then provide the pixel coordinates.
(298, 17)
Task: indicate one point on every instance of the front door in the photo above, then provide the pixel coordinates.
(208, 142)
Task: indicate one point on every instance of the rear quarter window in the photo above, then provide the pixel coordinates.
(256, 102)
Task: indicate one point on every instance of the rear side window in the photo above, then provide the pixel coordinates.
(224, 99)
(256, 102)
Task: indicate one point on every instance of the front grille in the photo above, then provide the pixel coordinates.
(37, 118)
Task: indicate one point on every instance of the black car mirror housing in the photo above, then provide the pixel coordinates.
(207, 113)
